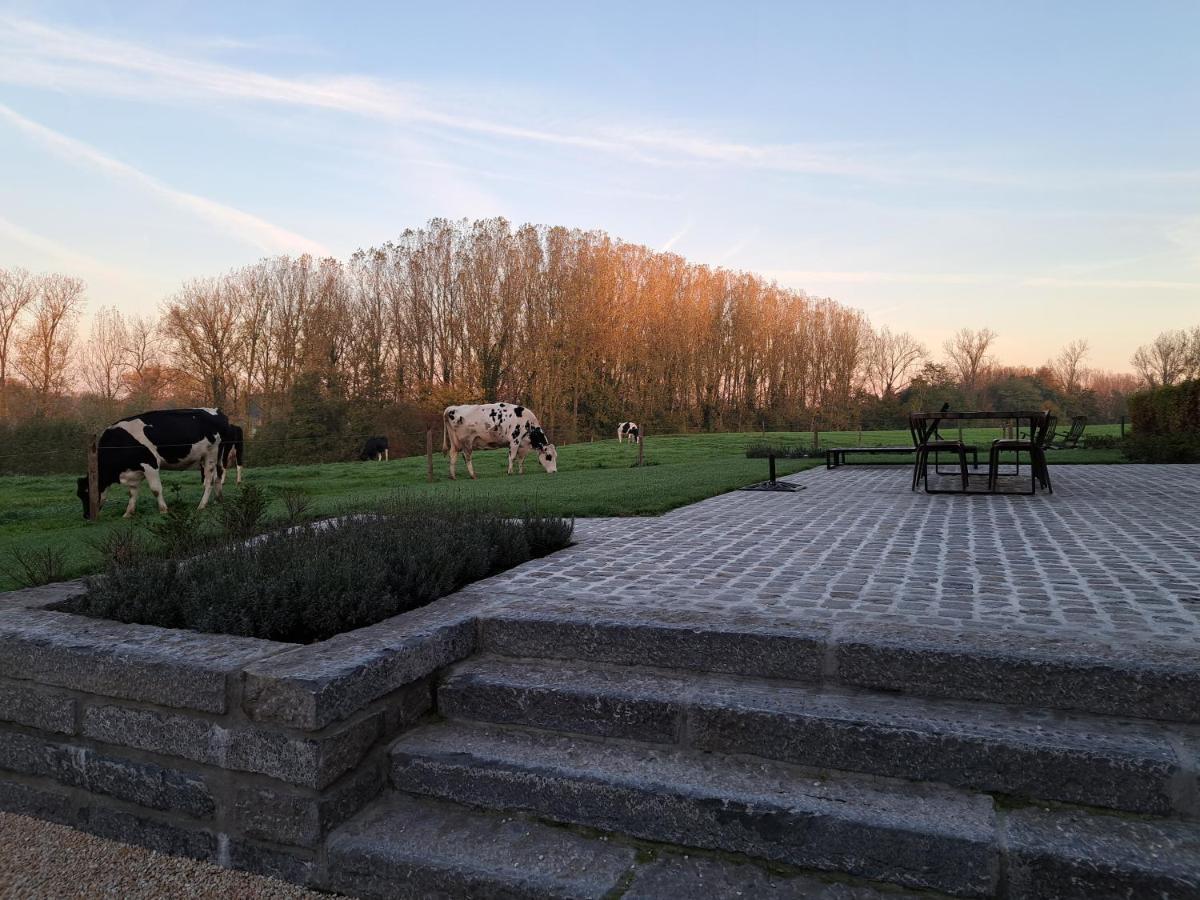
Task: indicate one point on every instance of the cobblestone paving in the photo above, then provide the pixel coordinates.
(1113, 554)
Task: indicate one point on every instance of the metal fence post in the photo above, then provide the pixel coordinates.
(429, 454)
(1122, 426)
(641, 446)
(94, 481)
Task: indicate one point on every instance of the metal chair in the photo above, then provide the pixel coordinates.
(1078, 423)
(1035, 446)
(927, 441)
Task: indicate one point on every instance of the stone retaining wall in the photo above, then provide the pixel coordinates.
(239, 751)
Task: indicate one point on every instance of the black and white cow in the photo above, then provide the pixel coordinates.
(491, 425)
(136, 448)
(627, 430)
(375, 448)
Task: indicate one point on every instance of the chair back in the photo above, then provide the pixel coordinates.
(1078, 423)
(1042, 429)
(1051, 429)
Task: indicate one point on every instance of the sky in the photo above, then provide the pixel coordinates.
(1029, 167)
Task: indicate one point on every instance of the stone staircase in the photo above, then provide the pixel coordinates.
(589, 776)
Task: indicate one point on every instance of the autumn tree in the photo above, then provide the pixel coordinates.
(967, 353)
(892, 361)
(105, 355)
(1165, 360)
(1068, 367)
(18, 290)
(45, 342)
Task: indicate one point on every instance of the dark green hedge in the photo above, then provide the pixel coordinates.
(311, 582)
(1166, 424)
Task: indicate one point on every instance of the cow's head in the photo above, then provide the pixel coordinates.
(81, 491)
(546, 451)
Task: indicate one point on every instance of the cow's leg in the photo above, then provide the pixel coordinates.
(470, 465)
(512, 454)
(453, 461)
(385, 455)
(133, 481)
(210, 475)
(521, 454)
(155, 482)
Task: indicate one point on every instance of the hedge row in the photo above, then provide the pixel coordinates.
(310, 582)
(1166, 424)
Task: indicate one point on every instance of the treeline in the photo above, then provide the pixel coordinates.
(585, 329)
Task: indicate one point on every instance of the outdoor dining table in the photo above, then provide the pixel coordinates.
(926, 426)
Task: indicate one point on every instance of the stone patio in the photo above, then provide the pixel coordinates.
(1113, 555)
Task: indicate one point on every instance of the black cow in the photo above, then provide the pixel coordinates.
(375, 448)
(136, 448)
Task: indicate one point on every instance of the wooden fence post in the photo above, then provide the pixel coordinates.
(641, 438)
(94, 481)
(429, 454)
(1122, 426)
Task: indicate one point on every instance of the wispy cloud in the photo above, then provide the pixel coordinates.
(243, 225)
(37, 54)
(1113, 284)
(870, 277)
(677, 236)
(54, 250)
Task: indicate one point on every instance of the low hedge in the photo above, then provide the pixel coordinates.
(310, 582)
(1166, 424)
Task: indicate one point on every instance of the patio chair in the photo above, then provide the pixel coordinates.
(933, 443)
(1078, 423)
(1035, 446)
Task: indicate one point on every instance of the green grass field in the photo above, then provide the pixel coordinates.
(596, 479)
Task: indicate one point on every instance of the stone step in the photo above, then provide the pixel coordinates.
(414, 847)
(1037, 671)
(913, 835)
(1130, 765)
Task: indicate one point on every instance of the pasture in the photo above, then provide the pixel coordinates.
(594, 479)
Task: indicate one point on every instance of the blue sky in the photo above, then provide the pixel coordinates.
(1034, 168)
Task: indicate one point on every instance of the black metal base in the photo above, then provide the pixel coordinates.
(784, 486)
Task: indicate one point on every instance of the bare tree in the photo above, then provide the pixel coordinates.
(1069, 369)
(105, 356)
(18, 289)
(893, 360)
(201, 324)
(44, 344)
(1164, 360)
(967, 352)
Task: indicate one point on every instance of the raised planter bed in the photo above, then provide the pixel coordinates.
(240, 751)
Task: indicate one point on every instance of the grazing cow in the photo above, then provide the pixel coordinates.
(136, 448)
(487, 426)
(627, 430)
(375, 448)
(232, 453)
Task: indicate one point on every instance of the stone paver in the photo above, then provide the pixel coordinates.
(1113, 554)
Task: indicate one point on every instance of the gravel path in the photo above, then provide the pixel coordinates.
(40, 861)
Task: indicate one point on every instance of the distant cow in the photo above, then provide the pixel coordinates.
(488, 426)
(627, 430)
(136, 448)
(375, 448)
